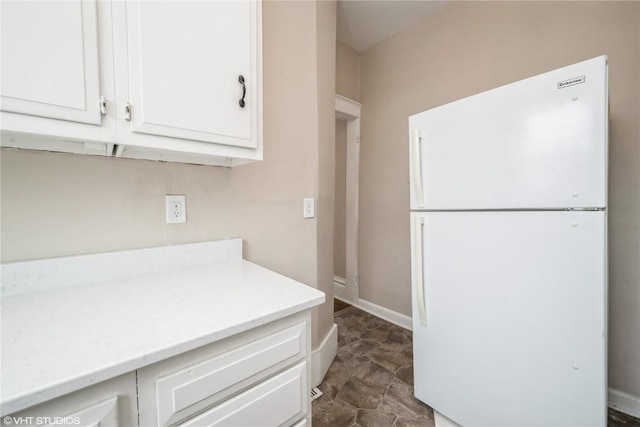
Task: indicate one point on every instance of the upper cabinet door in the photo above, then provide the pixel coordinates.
(50, 65)
(186, 60)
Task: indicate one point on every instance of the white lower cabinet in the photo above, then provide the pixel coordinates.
(257, 378)
(111, 403)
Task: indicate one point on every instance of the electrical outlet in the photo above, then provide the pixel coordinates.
(308, 210)
(176, 209)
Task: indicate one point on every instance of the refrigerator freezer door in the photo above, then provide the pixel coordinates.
(536, 143)
(515, 317)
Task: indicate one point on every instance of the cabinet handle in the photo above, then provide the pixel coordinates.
(244, 90)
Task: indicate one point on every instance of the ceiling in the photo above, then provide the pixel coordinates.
(364, 23)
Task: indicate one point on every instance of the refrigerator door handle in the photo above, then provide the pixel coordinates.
(422, 310)
(416, 138)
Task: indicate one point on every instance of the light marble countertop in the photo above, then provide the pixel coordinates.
(60, 340)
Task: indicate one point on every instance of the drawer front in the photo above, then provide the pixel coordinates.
(198, 386)
(279, 401)
(111, 403)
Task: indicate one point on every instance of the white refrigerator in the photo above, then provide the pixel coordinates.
(509, 252)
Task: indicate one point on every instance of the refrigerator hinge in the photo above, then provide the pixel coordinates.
(127, 112)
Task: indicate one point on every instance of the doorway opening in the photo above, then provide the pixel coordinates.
(345, 283)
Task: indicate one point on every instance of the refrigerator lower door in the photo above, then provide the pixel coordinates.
(513, 322)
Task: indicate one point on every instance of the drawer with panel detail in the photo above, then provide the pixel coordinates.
(278, 401)
(261, 374)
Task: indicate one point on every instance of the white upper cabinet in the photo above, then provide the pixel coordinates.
(185, 62)
(178, 68)
(53, 80)
(181, 80)
(48, 76)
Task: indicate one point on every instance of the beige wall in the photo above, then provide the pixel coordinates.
(340, 243)
(470, 47)
(298, 98)
(61, 204)
(64, 204)
(347, 72)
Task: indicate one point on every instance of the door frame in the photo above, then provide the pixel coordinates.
(349, 111)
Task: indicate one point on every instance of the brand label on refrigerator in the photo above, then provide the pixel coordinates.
(571, 82)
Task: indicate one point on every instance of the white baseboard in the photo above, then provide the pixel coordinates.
(624, 402)
(386, 314)
(339, 287)
(322, 357)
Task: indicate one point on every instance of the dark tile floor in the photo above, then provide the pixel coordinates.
(370, 383)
